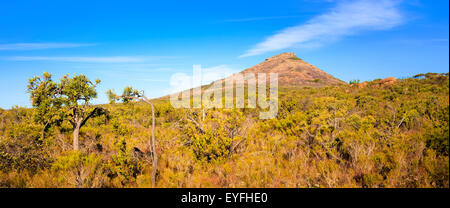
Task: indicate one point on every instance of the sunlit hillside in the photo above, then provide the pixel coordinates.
(383, 133)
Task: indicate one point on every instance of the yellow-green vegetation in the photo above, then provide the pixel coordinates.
(393, 135)
(295, 58)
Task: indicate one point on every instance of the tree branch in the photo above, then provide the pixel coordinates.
(403, 119)
(90, 115)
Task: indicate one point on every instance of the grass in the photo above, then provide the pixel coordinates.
(295, 58)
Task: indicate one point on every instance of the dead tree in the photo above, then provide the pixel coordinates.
(130, 94)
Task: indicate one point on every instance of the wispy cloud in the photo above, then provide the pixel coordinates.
(39, 46)
(104, 59)
(347, 18)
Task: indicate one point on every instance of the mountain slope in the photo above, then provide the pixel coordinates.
(293, 71)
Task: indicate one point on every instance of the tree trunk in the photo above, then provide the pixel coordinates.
(155, 156)
(76, 134)
(203, 114)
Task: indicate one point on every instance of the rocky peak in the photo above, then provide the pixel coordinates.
(293, 71)
(282, 56)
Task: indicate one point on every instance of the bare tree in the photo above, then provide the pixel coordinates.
(130, 94)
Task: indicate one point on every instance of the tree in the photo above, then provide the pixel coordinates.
(67, 100)
(130, 94)
(355, 81)
(44, 98)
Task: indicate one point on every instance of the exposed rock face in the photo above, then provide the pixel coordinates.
(378, 83)
(388, 81)
(293, 71)
(362, 85)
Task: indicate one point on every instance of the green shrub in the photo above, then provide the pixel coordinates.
(122, 166)
(79, 169)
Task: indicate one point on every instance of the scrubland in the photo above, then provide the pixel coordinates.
(394, 135)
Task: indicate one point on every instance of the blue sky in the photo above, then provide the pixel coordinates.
(143, 43)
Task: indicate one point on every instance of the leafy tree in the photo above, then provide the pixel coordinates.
(44, 97)
(67, 100)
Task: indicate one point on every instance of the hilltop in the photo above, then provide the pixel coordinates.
(293, 71)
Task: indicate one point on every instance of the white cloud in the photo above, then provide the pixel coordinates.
(39, 46)
(105, 59)
(179, 82)
(138, 61)
(347, 18)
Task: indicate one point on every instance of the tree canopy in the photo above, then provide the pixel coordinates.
(70, 100)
